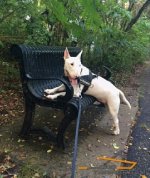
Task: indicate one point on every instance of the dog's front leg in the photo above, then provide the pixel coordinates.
(55, 90)
(54, 96)
(77, 90)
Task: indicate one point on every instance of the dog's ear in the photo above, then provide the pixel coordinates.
(79, 55)
(66, 53)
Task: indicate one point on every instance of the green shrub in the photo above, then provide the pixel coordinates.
(98, 27)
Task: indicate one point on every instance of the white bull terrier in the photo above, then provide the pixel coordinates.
(103, 90)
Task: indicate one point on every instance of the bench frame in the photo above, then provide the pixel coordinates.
(37, 65)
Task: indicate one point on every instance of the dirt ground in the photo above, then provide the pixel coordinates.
(38, 157)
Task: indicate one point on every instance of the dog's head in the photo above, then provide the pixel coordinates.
(72, 66)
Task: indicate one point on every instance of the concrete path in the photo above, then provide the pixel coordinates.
(140, 148)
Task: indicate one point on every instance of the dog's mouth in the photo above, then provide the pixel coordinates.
(73, 81)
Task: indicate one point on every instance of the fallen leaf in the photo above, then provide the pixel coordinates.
(69, 162)
(49, 151)
(115, 146)
(36, 175)
(40, 138)
(145, 149)
(19, 141)
(6, 150)
(89, 147)
(92, 165)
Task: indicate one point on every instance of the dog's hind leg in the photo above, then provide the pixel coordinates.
(114, 109)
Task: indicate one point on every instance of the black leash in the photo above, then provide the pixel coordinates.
(73, 170)
(86, 81)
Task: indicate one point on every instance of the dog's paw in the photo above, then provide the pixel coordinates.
(50, 97)
(49, 91)
(116, 131)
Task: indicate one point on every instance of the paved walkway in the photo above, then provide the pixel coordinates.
(140, 149)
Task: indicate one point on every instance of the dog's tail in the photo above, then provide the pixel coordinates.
(124, 99)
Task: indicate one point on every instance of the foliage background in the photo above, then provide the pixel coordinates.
(97, 26)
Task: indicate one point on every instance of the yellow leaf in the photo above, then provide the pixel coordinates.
(49, 151)
(115, 146)
(69, 162)
(143, 176)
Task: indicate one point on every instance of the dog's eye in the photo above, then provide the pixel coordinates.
(72, 64)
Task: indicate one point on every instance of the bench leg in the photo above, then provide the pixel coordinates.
(28, 119)
(70, 115)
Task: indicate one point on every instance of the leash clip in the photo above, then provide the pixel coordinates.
(80, 96)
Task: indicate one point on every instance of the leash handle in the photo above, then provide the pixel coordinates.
(76, 140)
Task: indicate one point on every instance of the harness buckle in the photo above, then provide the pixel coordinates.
(83, 82)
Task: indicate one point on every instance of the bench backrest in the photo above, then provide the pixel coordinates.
(41, 62)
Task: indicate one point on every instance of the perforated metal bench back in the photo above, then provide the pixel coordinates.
(42, 62)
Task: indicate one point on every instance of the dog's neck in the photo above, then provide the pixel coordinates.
(84, 71)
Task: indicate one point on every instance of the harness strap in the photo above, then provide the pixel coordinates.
(86, 80)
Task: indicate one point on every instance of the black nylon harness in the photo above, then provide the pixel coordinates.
(86, 80)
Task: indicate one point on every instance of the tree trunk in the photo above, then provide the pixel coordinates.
(135, 19)
(131, 5)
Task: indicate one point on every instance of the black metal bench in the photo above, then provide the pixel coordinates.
(42, 68)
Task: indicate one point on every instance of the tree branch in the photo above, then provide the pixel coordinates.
(135, 19)
(9, 14)
(131, 4)
(6, 16)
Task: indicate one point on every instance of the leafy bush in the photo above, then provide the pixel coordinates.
(98, 27)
